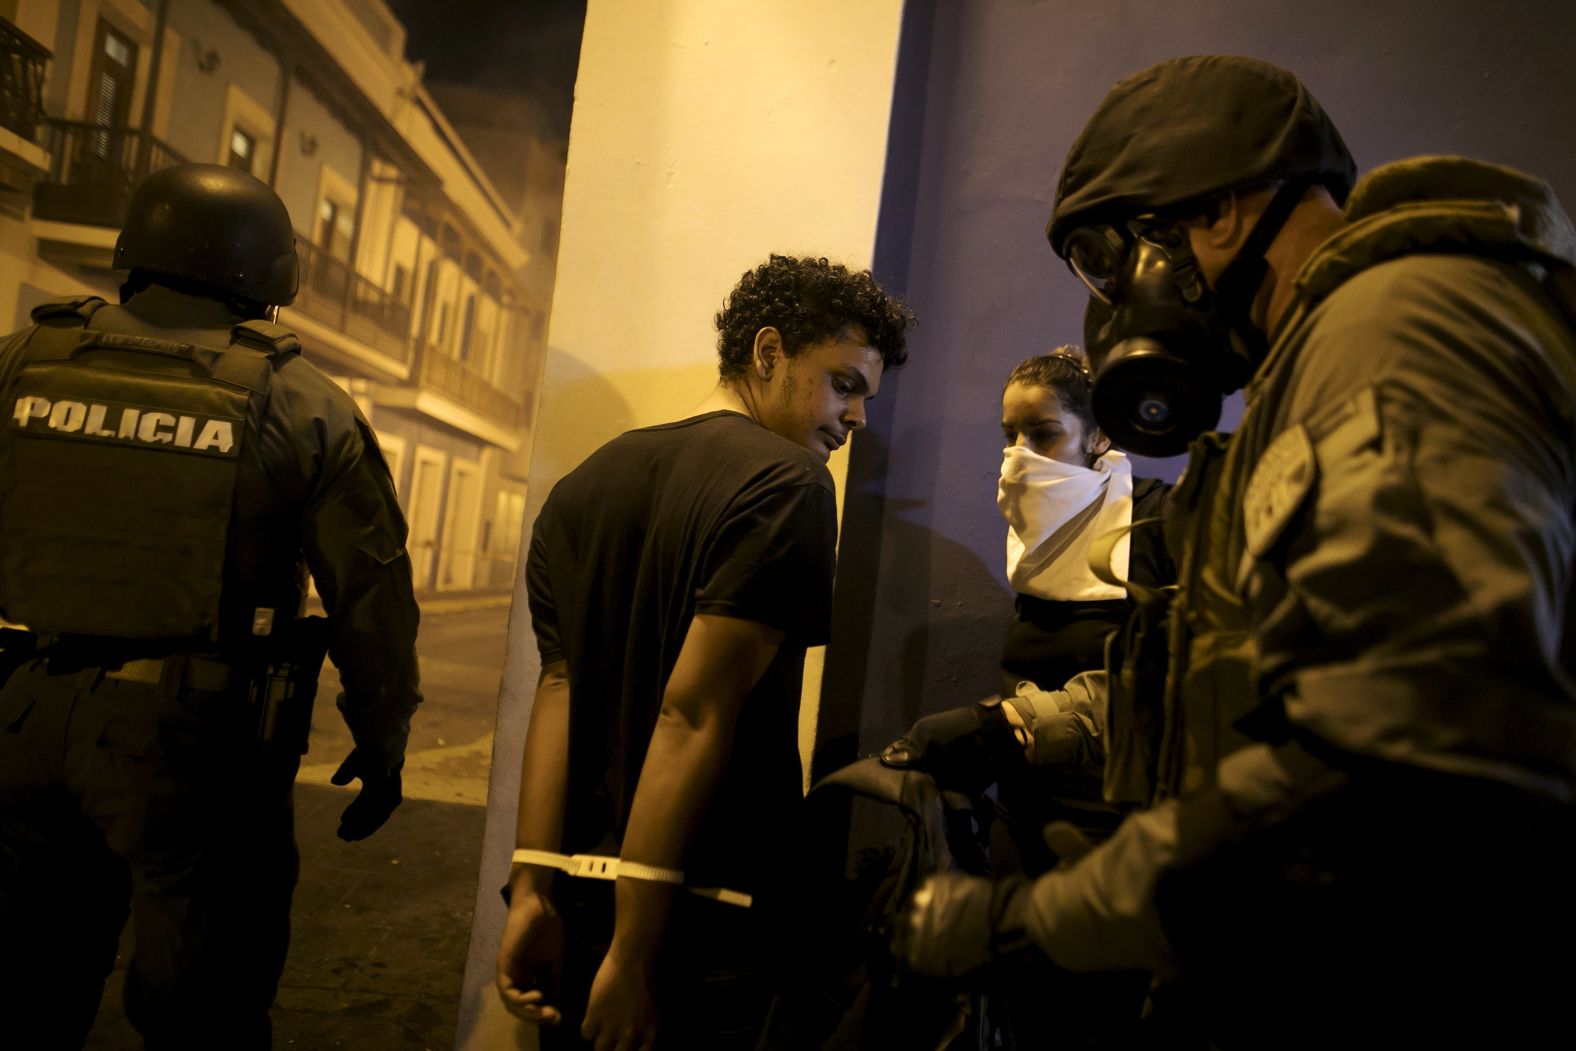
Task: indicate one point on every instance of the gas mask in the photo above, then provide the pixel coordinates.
(1164, 348)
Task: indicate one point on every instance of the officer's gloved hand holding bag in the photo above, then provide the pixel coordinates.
(381, 793)
(965, 749)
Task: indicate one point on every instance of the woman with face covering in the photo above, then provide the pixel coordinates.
(1063, 486)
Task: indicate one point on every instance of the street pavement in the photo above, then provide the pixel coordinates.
(380, 927)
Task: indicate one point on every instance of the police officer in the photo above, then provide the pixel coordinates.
(1362, 756)
(169, 469)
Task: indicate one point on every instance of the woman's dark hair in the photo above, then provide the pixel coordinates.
(808, 301)
(1064, 370)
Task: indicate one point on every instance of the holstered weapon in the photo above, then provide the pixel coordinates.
(285, 691)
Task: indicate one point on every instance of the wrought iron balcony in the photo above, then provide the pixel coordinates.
(456, 381)
(92, 170)
(21, 81)
(335, 294)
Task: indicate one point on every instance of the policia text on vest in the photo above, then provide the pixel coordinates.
(137, 423)
(42, 409)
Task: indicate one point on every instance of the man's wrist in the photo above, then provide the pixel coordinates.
(642, 909)
(633, 952)
(535, 880)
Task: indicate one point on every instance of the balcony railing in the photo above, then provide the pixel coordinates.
(92, 169)
(456, 381)
(21, 81)
(335, 294)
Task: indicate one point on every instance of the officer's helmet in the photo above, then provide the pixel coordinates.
(1188, 128)
(213, 226)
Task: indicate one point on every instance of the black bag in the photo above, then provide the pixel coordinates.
(837, 989)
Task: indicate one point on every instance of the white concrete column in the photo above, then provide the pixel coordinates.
(707, 134)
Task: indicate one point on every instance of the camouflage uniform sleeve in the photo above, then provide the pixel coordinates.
(1102, 913)
(1410, 598)
(354, 542)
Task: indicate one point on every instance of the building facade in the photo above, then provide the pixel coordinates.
(419, 292)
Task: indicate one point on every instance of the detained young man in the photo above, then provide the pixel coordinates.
(675, 580)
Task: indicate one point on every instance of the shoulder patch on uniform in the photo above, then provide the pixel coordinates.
(1281, 480)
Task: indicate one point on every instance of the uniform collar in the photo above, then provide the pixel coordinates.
(1431, 204)
(1442, 204)
(164, 313)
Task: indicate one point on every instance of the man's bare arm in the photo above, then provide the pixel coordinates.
(719, 664)
(533, 934)
(544, 777)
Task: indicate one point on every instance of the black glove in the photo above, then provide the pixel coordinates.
(966, 749)
(379, 796)
(966, 928)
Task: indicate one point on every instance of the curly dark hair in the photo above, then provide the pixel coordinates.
(1064, 370)
(809, 301)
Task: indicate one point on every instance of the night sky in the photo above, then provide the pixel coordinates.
(529, 47)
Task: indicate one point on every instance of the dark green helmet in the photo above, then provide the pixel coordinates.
(215, 226)
(1191, 127)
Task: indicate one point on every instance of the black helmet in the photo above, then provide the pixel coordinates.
(1191, 127)
(215, 226)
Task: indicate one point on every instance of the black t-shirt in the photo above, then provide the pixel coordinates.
(713, 514)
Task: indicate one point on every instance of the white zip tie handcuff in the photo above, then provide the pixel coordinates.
(595, 866)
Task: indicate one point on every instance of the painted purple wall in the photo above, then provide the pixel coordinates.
(991, 94)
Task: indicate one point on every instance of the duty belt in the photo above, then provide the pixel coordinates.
(193, 673)
(197, 675)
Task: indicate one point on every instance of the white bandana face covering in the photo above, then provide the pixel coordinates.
(1054, 511)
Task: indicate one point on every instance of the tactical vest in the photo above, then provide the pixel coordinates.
(1180, 689)
(1210, 693)
(119, 462)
